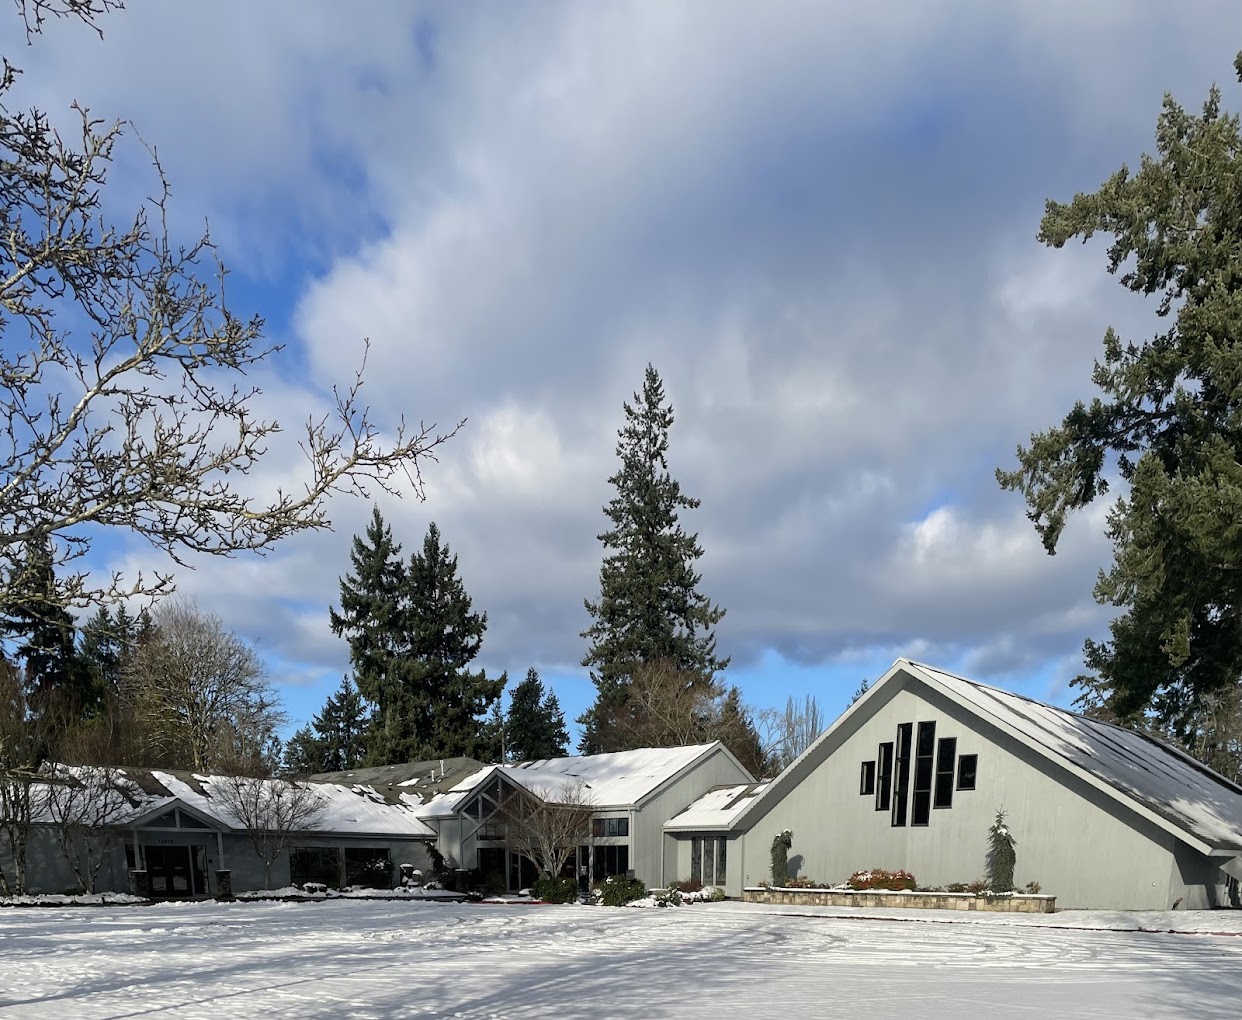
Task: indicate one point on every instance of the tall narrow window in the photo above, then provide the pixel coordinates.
(924, 772)
(696, 859)
(867, 783)
(901, 787)
(709, 862)
(721, 852)
(967, 767)
(946, 753)
(884, 791)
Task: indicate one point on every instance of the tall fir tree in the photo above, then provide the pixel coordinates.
(43, 637)
(1169, 424)
(447, 699)
(108, 640)
(535, 727)
(649, 608)
(342, 726)
(412, 634)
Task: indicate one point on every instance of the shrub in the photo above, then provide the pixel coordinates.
(619, 890)
(489, 883)
(878, 878)
(555, 890)
(687, 885)
(802, 882)
(715, 894)
(978, 886)
(780, 857)
(1033, 888)
(957, 887)
(669, 897)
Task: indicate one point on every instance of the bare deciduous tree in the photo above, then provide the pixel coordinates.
(273, 812)
(547, 832)
(789, 732)
(200, 693)
(124, 374)
(87, 805)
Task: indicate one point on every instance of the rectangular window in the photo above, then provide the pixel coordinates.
(368, 866)
(314, 864)
(696, 859)
(867, 786)
(967, 767)
(721, 851)
(709, 861)
(884, 791)
(618, 826)
(901, 785)
(598, 827)
(946, 753)
(924, 772)
(611, 860)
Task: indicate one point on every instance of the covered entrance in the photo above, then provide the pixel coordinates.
(176, 872)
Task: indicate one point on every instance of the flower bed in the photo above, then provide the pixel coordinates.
(1016, 903)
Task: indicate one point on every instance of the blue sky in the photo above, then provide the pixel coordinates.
(816, 219)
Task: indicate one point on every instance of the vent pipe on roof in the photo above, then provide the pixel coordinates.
(441, 768)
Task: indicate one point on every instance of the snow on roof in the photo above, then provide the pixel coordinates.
(614, 780)
(1166, 781)
(717, 809)
(347, 808)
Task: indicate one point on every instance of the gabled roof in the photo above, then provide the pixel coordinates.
(716, 810)
(1181, 792)
(614, 781)
(129, 796)
(1159, 782)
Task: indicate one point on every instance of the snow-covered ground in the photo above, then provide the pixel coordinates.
(365, 959)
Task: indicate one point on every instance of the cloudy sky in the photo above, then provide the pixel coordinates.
(817, 219)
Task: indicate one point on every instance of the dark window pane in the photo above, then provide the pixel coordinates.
(868, 778)
(696, 859)
(946, 753)
(901, 791)
(721, 851)
(709, 860)
(884, 792)
(967, 767)
(924, 771)
(597, 826)
(623, 826)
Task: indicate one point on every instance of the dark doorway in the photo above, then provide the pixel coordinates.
(176, 872)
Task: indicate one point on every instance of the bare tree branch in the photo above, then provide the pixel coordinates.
(275, 813)
(123, 388)
(547, 832)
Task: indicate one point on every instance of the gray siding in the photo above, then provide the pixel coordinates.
(1078, 843)
(647, 841)
(48, 871)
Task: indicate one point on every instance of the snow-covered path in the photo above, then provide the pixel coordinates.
(375, 959)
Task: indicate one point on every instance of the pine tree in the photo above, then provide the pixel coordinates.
(536, 726)
(108, 639)
(412, 634)
(649, 608)
(303, 753)
(1001, 856)
(44, 638)
(1168, 421)
(341, 728)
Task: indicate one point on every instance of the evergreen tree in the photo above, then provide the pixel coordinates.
(372, 616)
(341, 729)
(412, 634)
(108, 639)
(1001, 857)
(649, 608)
(304, 753)
(1170, 420)
(536, 726)
(44, 638)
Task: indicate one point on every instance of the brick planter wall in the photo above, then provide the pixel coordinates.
(1018, 903)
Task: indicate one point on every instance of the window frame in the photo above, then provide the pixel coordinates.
(946, 778)
(866, 781)
(962, 759)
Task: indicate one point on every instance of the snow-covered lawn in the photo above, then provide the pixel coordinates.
(362, 959)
